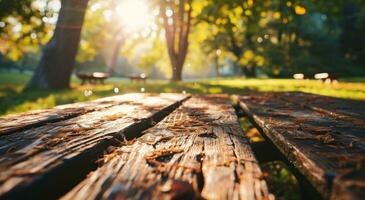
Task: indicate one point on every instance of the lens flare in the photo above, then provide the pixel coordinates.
(135, 15)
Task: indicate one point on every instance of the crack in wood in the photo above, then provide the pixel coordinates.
(200, 159)
(74, 155)
(158, 157)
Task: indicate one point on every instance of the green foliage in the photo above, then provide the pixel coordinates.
(97, 30)
(288, 37)
(155, 60)
(281, 181)
(25, 26)
(97, 64)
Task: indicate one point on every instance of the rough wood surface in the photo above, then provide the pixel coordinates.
(342, 109)
(55, 152)
(198, 151)
(321, 141)
(33, 119)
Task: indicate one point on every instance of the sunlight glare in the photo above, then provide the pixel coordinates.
(135, 15)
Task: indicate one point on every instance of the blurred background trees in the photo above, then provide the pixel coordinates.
(226, 37)
(58, 56)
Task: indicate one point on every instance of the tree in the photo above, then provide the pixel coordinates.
(177, 16)
(58, 59)
(235, 25)
(17, 8)
(24, 27)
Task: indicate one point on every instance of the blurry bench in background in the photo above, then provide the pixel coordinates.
(93, 77)
(138, 78)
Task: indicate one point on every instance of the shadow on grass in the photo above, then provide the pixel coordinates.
(12, 98)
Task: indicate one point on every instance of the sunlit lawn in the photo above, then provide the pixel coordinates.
(12, 100)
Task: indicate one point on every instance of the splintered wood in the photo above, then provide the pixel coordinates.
(323, 137)
(198, 151)
(32, 119)
(56, 151)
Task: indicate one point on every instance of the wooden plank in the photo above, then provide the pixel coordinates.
(321, 146)
(341, 109)
(198, 151)
(36, 157)
(33, 119)
(31, 137)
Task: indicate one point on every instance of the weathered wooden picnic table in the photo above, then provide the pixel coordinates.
(197, 150)
(322, 137)
(174, 146)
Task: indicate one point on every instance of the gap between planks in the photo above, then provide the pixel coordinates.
(198, 151)
(65, 151)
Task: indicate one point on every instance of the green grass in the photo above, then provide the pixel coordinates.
(280, 179)
(13, 100)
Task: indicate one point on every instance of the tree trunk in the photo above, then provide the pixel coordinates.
(114, 60)
(216, 62)
(237, 52)
(177, 30)
(250, 72)
(177, 74)
(254, 71)
(58, 59)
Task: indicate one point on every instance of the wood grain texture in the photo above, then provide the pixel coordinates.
(310, 133)
(56, 151)
(198, 151)
(342, 109)
(33, 119)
